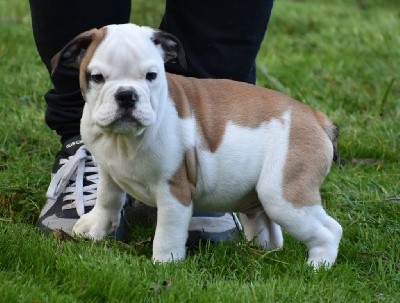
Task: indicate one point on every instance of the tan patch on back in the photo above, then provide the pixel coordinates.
(99, 35)
(215, 102)
(309, 158)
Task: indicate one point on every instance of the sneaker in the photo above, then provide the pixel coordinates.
(72, 191)
(203, 226)
(212, 227)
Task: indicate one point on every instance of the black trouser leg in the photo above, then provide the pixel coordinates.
(55, 23)
(221, 39)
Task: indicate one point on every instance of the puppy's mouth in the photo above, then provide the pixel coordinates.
(133, 120)
(125, 116)
(126, 122)
(120, 122)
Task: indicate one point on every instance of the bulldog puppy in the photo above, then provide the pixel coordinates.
(218, 145)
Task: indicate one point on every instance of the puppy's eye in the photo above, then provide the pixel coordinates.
(97, 78)
(150, 76)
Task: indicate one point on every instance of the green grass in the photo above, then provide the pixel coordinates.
(342, 57)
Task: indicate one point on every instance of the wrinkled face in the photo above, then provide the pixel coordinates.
(123, 80)
(122, 74)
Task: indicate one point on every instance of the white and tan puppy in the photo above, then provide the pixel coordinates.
(216, 145)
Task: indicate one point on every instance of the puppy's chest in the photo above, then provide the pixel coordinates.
(133, 178)
(136, 173)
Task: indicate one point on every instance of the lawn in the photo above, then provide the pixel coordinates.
(342, 57)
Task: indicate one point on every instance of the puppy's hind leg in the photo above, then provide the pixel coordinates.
(262, 229)
(297, 160)
(309, 224)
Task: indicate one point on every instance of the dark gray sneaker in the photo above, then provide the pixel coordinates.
(213, 227)
(72, 191)
(203, 226)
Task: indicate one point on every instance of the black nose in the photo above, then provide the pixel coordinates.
(127, 98)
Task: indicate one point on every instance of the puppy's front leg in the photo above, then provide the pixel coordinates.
(106, 214)
(172, 229)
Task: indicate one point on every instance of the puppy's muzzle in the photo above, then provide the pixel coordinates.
(127, 98)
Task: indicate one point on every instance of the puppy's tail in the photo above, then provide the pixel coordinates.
(332, 130)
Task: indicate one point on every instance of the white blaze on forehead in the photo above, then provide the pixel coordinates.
(128, 48)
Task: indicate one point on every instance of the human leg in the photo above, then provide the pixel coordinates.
(221, 38)
(73, 189)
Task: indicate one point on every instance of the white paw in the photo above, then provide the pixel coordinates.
(322, 256)
(97, 224)
(274, 237)
(168, 255)
(320, 263)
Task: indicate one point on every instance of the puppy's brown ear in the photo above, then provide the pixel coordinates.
(171, 46)
(73, 53)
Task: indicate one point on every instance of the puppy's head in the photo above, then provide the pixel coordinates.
(122, 76)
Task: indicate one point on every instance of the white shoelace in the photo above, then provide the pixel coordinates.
(75, 169)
